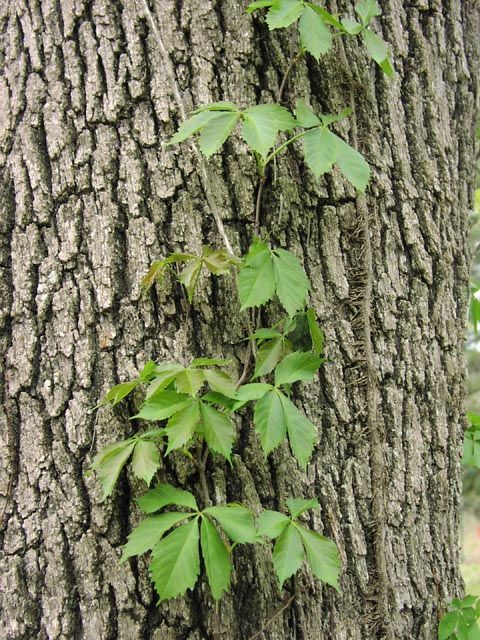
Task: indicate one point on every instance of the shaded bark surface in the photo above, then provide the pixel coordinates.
(90, 197)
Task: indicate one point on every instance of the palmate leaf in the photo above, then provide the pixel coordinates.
(216, 558)
(288, 553)
(189, 276)
(164, 374)
(110, 461)
(297, 506)
(259, 4)
(305, 116)
(315, 332)
(189, 381)
(163, 405)
(320, 150)
(283, 13)
(218, 430)
(291, 283)
(256, 280)
(164, 495)
(270, 422)
(367, 10)
(191, 126)
(236, 521)
(220, 382)
(149, 531)
(322, 556)
(216, 131)
(315, 36)
(182, 425)
(175, 565)
(327, 17)
(297, 366)
(302, 434)
(378, 51)
(353, 165)
(270, 354)
(262, 123)
(351, 26)
(145, 460)
(272, 523)
(251, 391)
(119, 392)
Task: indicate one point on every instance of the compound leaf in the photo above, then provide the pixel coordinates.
(322, 556)
(163, 405)
(119, 392)
(191, 126)
(262, 123)
(251, 391)
(256, 280)
(302, 434)
(221, 382)
(259, 4)
(320, 149)
(216, 557)
(305, 116)
(272, 523)
(283, 13)
(353, 165)
(216, 131)
(189, 276)
(367, 10)
(223, 105)
(110, 462)
(269, 355)
(328, 18)
(149, 531)
(145, 460)
(292, 285)
(315, 36)
(297, 366)
(181, 426)
(270, 422)
(288, 553)
(315, 332)
(163, 495)
(175, 562)
(351, 26)
(297, 506)
(164, 374)
(218, 430)
(236, 521)
(189, 381)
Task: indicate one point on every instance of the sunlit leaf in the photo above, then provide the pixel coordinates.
(163, 495)
(218, 429)
(216, 558)
(272, 523)
(270, 422)
(367, 10)
(283, 13)
(353, 165)
(297, 506)
(315, 332)
(216, 131)
(315, 36)
(297, 366)
(256, 280)
(149, 531)
(220, 382)
(322, 556)
(292, 285)
(302, 434)
(189, 381)
(288, 553)
(145, 460)
(269, 355)
(162, 405)
(262, 123)
(181, 426)
(305, 116)
(236, 521)
(110, 461)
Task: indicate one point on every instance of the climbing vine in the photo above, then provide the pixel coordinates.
(192, 407)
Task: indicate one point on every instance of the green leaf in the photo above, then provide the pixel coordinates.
(302, 434)
(251, 391)
(191, 126)
(262, 123)
(145, 460)
(236, 521)
(297, 506)
(264, 334)
(447, 625)
(387, 67)
(351, 26)
(329, 118)
(320, 149)
(375, 45)
(218, 429)
(269, 355)
(353, 165)
(256, 280)
(283, 13)
(208, 362)
(328, 18)
(223, 105)
(164, 495)
(367, 10)
(259, 4)
(181, 426)
(176, 561)
(305, 116)
(297, 366)
(164, 375)
(213, 397)
(292, 285)
(189, 277)
(216, 131)
(272, 523)
(163, 405)
(315, 36)
(149, 531)
(270, 422)
(190, 381)
(288, 553)
(110, 462)
(220, 262)
(315, 332)
(119, 392)
(217, 559)
(221, 382)
(322, 556)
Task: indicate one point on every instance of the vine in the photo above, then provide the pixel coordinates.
(192, 405)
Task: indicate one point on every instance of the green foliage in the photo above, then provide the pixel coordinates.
(474, 309)
(471, 442)
(462, 621)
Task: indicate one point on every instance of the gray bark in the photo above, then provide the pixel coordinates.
(90, 197)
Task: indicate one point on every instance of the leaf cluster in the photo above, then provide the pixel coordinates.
(471, 442)
(461, 622)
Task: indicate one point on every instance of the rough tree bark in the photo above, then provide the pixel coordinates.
(89, 197)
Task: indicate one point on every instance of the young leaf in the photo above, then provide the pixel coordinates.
(191, 126)
(351, 26)
(216, 131)
(297, 366)
(208, 362)
(329, 118)
(145, 460)
(320, 149)
(261, 124)
(149, 531)
(223, 105)
(327, 17)
(190, 381)
(269, 355)
(216, 557)
(283, 13)
(315, 36)
(189, 277)
(236, 521)
(119, 392)
(163, 495)
(272, 523)
(148, 370)
(367, 10)
(256, 280)
(353, 165)
(292, 285)
(302, 434)
(264, 334)
(220, 382)
(270, 422)
(297, 506)
(110, 462)
(260, 4)
(164, 375)
(176, 561)
(305, 116)
(315, 332)
(162, 405)
(251, 391)
(181, 426)
(218, 430)
(322, 556)
(288, 553)
(220, 262)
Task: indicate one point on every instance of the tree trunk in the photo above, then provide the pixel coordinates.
(90, 197)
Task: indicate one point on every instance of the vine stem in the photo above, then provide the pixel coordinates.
(181, 107)
(202, 457)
